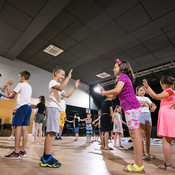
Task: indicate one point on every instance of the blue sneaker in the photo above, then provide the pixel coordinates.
(50, 162)
(56, 137)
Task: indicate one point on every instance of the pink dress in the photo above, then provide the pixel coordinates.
(166, 120)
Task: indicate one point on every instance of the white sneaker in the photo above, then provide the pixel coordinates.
(11, 138)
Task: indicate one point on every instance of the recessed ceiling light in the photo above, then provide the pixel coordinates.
(103, 75)
(53, 50)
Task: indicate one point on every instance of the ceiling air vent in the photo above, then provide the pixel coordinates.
(103, 75)
(53, 50)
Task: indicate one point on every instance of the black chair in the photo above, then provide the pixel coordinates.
(70, 130)
(6, 127)
(82, 128)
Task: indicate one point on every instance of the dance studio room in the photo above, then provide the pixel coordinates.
(87, 87)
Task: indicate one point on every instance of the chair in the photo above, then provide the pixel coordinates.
(6, 129)
(69, 128)
(82, 127)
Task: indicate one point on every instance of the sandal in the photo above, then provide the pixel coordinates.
(108, 148)
(151, 156)
(165, 166)
(129, 169)
(146, 157)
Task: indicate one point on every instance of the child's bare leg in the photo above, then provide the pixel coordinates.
(147, 137)
(87, 139)
(106, 140)
(48, 143)
(40, 132)
(90, 139)
(61, 130)
(76, 135)
(142, 129)
(13, 130)
(115, 139)
(36, 131)
(25, 138)
(137, 144)
(103, 139)
(167, 150)
(119, 139)
(17, 138)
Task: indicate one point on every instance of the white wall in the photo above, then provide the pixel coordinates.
(39, 81)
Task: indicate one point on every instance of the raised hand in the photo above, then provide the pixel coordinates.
(77, 83)
(10, 82)
(145, 83)
(101, 88)
(70, 74)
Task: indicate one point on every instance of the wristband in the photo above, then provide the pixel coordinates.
(11, 96)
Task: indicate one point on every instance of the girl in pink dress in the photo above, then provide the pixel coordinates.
(166, 119)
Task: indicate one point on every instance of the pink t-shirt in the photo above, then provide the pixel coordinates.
(127, 96)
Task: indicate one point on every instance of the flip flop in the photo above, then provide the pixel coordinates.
(109, 149)
(137, 169)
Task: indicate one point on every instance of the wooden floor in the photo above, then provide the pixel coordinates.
(77, 158)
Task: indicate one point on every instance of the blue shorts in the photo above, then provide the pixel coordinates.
(76, 130)
(89, 132)
(22, 116)
(145, 118)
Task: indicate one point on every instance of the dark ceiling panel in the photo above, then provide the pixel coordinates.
(171, 36)
(134, 18)
(110, 32)
(157, 8)
(57, 61)
(146, 59)
(78, 7)
(63, 20)
(95, 17)
(103, 63)
(116, 8)
(64, 41)
(166, 22)
(149, 32)
(94, 43)
(40, 43)
(129, 44)
(9, 31)
(41, 56)
(3, 51)
(157, 43)
(31, 7)
(24, 56)
(36, 62)
(165, 52)
(67, 58)
(27, 53)
(79, 50)
(121, 56)
(15, 17)
(135, 65)
(137, 51)
(78, 30)
(49, 32)
(2, 3)
(5, 42)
